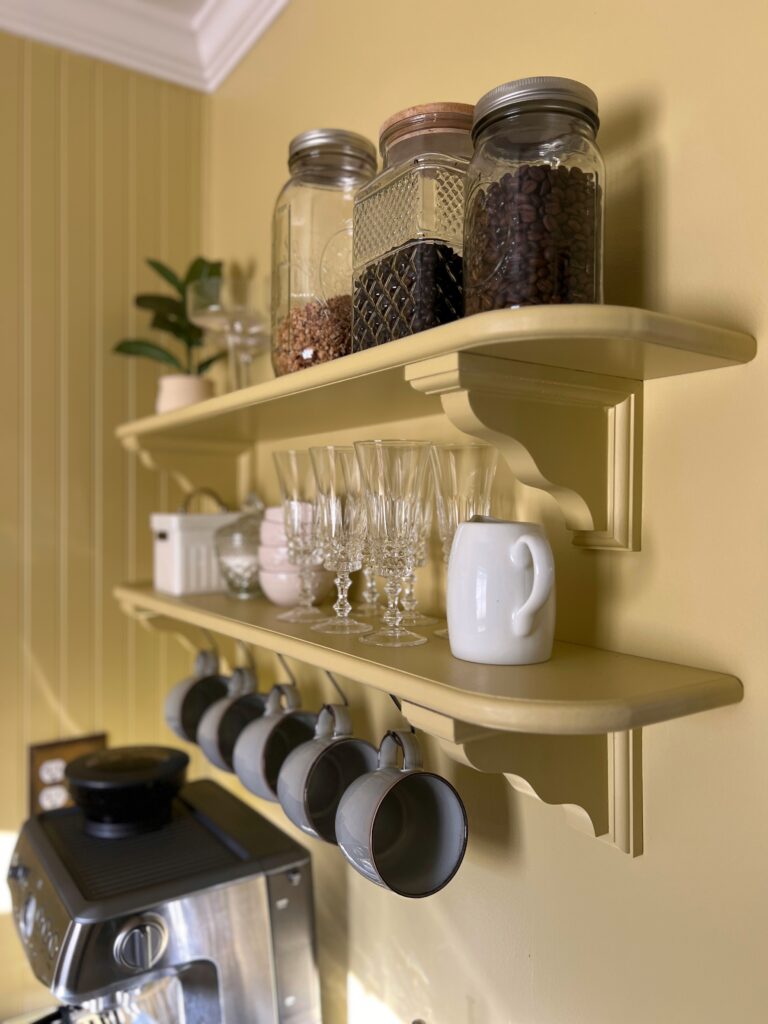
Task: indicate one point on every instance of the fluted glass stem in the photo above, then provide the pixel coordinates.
(342, 607)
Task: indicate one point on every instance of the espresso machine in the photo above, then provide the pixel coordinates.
(164, 902)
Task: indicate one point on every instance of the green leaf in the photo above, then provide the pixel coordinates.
(148, 349)
(161, 304)
(206, 364)
(202, 267)
(181, 329)
(168, 275)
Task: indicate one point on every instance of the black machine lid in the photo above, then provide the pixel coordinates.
(126, 790)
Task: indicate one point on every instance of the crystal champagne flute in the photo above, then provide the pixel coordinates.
(395, 479)
(340, 519)
(297, 487)
(463, 478)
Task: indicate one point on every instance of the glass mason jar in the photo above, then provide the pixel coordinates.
(312, 247)
(409, 224)
(534, 221)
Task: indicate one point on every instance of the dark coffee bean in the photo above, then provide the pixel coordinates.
(536, 242)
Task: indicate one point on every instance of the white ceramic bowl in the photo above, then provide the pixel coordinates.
(275, 559)
(283, 587)
(273, 534)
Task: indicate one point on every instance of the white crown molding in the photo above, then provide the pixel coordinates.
(197, 50)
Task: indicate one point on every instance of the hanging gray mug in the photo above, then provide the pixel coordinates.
(315, 776)
(224, 720)
(188, 701)
(263, 746)
(403, 828)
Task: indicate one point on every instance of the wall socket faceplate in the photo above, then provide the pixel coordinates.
(47, 762)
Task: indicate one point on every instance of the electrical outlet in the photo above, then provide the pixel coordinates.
(47, 763)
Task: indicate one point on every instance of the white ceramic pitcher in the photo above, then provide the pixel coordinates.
(501, 593)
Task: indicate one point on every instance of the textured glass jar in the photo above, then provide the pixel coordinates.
(534, 220)
(237, 549)
(408, 226)
(312, 247)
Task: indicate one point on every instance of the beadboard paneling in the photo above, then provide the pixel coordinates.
(101, 168)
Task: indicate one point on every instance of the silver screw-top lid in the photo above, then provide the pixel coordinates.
(543, 92)
(333, 140)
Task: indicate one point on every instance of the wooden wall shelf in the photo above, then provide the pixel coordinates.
(581, 691)
(567, 731)
(558, 389)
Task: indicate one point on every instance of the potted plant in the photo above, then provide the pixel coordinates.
(169, 313)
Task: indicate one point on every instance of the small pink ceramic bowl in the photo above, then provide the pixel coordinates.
(275, 559)
(272, 534)
(282, 588)
(274, 514)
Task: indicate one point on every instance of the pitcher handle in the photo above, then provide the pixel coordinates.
(538, 550)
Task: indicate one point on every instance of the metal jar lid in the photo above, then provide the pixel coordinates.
(332, 140)
(543, 93)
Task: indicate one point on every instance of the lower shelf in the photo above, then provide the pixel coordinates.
(567, 732)
(581, 691)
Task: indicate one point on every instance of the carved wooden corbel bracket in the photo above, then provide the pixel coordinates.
(219, 465)
(596, 780)
(575, 435)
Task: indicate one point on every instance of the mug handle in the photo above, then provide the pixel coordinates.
(407, 742)
(538, 550)
(333, 722)
(241, 681)
(282, 697)
(206, 664)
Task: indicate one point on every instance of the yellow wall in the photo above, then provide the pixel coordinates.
(99, 168)
(543, 926)
(102, 167)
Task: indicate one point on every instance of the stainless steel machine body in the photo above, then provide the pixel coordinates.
(218, 898)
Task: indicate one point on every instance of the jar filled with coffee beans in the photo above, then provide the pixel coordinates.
(534, 219)
(312, 247)
(409, 225)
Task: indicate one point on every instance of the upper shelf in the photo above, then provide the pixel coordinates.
(581, 691)
(614, 341)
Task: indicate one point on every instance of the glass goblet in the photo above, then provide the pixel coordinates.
(297, 488)
(463, 477)
(217, 304)
(395, 483)
(340, 529)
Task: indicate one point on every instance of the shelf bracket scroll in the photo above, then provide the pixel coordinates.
(595, 779)
(573, 434)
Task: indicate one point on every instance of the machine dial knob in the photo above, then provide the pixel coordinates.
(141, 943)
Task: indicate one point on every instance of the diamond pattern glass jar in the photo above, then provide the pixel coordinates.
(408, 226)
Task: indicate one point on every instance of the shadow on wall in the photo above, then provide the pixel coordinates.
(634, 202)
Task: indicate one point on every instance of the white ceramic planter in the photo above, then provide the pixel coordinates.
(175, 390)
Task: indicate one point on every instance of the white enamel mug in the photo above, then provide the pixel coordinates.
(403, 828)
(263, 746)
(315, 776)
(501, 593)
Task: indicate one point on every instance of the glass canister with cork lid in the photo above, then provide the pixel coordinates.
(534, 220)
(408, 226)
(312, 247)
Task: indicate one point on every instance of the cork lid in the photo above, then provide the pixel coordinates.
(427, 117)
